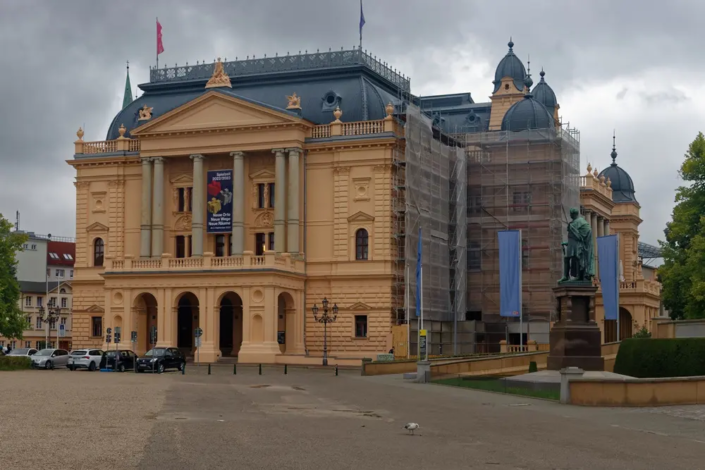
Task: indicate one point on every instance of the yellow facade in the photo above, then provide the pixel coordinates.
(139, 198)
(639, 298)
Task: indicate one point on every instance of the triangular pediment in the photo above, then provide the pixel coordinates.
(95, 309)
(360, 306)
(361, 217)
(262, 175)
(97, 227)
(215, 110)
(183, 180)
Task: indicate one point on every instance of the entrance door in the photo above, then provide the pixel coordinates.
(226, 327)
(185, 322)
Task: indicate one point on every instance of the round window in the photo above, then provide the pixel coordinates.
(330, 98)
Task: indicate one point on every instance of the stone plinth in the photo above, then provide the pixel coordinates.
(575, 338)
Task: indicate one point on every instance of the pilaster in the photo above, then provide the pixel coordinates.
(382, 224)
(199, 202)
(340, 203)
(237, 239)
(279, 200)
(146, 209)
(158, 208)
(293, 202)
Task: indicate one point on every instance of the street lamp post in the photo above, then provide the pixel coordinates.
(52, 312)
(325, 319)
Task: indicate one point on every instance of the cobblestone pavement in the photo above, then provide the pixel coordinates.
(313, 419)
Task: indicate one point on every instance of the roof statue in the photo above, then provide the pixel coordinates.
(145, 113)
(294, 101)
(219, 77)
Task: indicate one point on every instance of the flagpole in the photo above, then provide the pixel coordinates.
(157, 43)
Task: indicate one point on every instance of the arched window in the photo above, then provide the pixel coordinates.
(98, 252)
(361, 244)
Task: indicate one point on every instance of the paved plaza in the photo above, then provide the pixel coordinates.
(313, 419)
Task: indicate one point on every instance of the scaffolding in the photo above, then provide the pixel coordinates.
(526, 181)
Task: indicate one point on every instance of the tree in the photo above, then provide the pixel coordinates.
(683, 272)
(12, 320)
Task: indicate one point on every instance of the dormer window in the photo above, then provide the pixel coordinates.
(330, 101)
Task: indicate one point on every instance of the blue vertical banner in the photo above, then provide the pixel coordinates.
(419, 267)
(608, 256)
(510, 288)
(219, 201)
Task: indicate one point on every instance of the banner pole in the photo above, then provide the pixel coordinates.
(521, 294)
(617, 280)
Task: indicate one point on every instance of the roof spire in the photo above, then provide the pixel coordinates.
(543, 74)
(510, 43)
(528, 82)
(614, 149)
(127, 99)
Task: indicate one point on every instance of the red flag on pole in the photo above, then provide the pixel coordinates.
(160, 45)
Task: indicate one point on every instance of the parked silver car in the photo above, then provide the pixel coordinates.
(50, 358)
(85, 359)
(22, 352)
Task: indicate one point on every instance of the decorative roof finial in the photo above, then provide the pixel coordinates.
(589, 169)
(80, 134)
(294, 101)
(614, 149)
(543, 74)
(528, 82)
(510, 43)
(219, 77)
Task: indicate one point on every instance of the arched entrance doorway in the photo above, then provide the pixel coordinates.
(285, 320)
(145, 323)
(186, 322)
(230, 324)
(625, 324)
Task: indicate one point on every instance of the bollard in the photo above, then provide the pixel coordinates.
(183, 369)
(336, 370)
(209, 369)
(285, 370)
(260, 369)
(234, 369)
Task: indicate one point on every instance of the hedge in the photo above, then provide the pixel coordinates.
(15, 363)
(654, 358)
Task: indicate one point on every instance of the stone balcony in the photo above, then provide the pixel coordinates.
(599, 185)
(246, 262)
(640, 286)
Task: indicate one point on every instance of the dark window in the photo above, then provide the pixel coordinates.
(98, 252)
(474, 257)
(180, 246)
(361, 244)
(361, 326)
(259, 244)
(97, 326)
(220, 245)
(182, 199)
(189, 199)
(64, 302)
(271, 241)
(474, 203)
(271, 194)
(260, 196)
(521, 201)
(525, 253)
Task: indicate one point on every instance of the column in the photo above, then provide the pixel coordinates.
(146, 213)
(593, 226)
(237, 240)
(607, 227)
(293, 202)
(600, 226)
(199, 202)
(279, 200)
(158, 209)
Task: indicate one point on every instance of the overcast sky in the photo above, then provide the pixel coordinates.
(611, 64)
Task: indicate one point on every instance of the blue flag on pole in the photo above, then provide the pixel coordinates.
(608, 255)
(362, 22)
(510, 288)
(418, 277)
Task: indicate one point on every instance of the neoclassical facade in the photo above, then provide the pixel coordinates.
(310, 219)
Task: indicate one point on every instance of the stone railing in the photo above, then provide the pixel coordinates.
(247, 261)
(106, 146)
(339, 128)
(644, 286)
(590, 182)
(532, 346)
(320, 132)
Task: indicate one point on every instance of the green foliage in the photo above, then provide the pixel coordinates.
(654, 358)
(643, 333)
(683, 271)
(12, 320)
(493, 384)
(533, 367)
(15, 363)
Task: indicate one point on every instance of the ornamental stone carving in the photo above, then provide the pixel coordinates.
(183, 224)
(265, 219)
(219, 77)
(145, 113)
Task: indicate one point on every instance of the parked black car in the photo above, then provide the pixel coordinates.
(161, 359)
(119, 360)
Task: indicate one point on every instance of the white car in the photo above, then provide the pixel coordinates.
(50, 359)
(85, 359)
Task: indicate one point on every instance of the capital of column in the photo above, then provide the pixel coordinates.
(197, 157)
(237, 154)
(158, 159)
(146, 160)
(278, 151)
(292, 150)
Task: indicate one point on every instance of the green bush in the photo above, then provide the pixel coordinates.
(15, 363)
(533, 367)
(653, 358)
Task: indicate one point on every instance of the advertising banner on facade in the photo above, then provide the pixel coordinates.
(510, 288)
(608, 254)
(219, 201)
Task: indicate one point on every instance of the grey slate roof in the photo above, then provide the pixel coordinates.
(622, 184)
(527, 114)
(510, 66)
(545, 95)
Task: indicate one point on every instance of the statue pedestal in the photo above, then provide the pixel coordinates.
(575, 339)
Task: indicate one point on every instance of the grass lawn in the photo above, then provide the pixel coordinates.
(492, 384)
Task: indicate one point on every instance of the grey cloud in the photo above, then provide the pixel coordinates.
(668, 96)
(622, 93)
(64, 62)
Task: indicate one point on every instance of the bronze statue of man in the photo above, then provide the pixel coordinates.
(578, 250)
